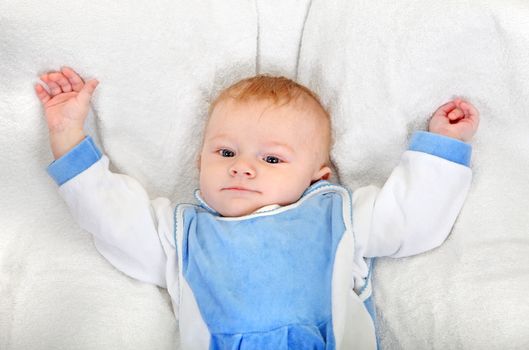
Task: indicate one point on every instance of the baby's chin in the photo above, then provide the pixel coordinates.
(236, 211)
(236, 206)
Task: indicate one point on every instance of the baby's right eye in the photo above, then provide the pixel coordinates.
(226, 153)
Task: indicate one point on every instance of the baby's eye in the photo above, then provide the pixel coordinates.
(226, 153)
(272, 160)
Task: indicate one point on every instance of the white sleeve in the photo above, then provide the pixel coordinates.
(415, 209)
(128, 228)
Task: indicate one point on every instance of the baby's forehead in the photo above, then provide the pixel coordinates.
(265, 122)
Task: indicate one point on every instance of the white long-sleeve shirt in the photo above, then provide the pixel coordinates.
(413, 212)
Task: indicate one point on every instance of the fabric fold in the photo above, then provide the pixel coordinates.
(296, 336)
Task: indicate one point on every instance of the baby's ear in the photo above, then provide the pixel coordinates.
(323, 174)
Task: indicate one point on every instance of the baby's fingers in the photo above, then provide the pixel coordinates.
(60, 80)
(74, 78)
(445, 109)
(471, 113)
(42, 93)
(88, 90)
(456, 115)
(55, 89)
(469, 109)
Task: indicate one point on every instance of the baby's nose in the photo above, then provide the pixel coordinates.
(242, 169)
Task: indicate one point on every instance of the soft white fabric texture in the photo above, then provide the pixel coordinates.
(381, 68)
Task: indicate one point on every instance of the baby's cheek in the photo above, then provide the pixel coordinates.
(290, 192)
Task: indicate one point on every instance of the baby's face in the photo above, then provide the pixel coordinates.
(256, 154)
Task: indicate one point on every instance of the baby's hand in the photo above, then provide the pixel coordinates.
(66, 108)
(67, 105)
(458, 119)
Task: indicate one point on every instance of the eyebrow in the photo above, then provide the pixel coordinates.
(222, 137)
(267, 144)
(280, 145)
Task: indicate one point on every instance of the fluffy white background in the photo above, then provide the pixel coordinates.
(381, 68)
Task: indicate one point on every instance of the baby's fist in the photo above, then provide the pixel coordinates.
(458, 119)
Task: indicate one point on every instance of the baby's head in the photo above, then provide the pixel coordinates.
(267, 139)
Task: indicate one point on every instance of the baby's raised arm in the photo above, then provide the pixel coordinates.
(418, 205)
(130, 230)
(66, 107)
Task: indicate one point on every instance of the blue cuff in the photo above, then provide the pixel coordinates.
(77, 160)
(441, 146)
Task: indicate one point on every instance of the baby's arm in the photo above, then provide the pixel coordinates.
(114, 208)
(417, 206)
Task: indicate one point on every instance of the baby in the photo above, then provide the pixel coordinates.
(274, 256)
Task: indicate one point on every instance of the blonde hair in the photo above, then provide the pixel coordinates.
(278, 89)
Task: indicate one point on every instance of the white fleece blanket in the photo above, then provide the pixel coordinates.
(381, 67)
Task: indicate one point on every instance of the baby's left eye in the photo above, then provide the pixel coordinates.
(272, 159)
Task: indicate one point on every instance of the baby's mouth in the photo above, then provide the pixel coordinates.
(239, 189)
